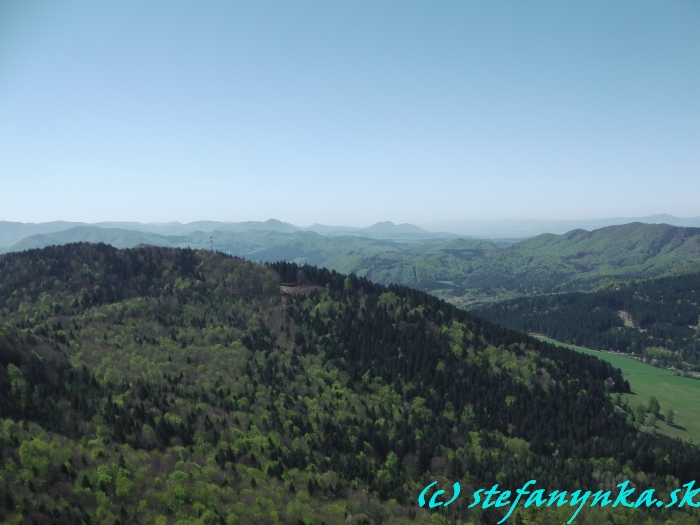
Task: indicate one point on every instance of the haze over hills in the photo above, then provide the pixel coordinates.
(13, 232)
(506, 229)
(520, 228)
(260, 245)
(117, 237)
(547, 262)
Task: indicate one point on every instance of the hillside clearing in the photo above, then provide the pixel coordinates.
(680, 394)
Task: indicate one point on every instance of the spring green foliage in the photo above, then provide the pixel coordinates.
(670, 417)
(652, 318)
(171, 386)
(682, 394)
(463, 270)
(653, 405)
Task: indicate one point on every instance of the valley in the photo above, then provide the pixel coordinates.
(654, 319)
(680, 394)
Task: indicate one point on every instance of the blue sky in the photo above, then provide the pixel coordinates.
(348, 112)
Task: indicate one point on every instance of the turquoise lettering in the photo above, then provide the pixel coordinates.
(476, 497)
(421, 497)
(536, 496)
(603, 497)
(504, 496)
(646, 497)
(433, 501)
(558, 496)
(575, 499)
(689, 494)
(674, 499)
(623, 494)
(491, 492)
(457, 490)
(521, 492)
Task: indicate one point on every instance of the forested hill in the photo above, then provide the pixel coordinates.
(461, 270)
(544, 262)
(655, 318)
(156, 385)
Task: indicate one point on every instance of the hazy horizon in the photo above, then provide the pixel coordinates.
(348, 113)
(432, 226)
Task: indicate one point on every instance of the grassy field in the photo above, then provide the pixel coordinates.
(678, 393)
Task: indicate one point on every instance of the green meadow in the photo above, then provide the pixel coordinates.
(681, 394)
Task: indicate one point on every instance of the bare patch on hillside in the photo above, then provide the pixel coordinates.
(299, 289)
(627, 320)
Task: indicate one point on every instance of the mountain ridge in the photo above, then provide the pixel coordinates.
(548, 262)
(171, 384)
(521, 228)
(12, 232)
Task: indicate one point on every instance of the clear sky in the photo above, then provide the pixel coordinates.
(348, 112)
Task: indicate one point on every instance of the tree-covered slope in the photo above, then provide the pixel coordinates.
(155, 385)
(117, 237)
(456, 268)
(13, 232)
(655, 318)
(463, 272)
(579, 258)
(257, 245)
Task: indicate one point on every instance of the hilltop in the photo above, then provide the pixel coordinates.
(157, 385)
(464, 271)
(520, 228)
(11, 233)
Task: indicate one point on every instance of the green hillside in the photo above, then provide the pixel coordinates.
(680, 394)
(117, 237)
(656, 319)
(466, 272)
(257, 245)
(155, 385)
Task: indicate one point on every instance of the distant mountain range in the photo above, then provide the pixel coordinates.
(520, 228)
(260, 245)
(13, 232)
(506, 231)
(547, 262)
(574, 260)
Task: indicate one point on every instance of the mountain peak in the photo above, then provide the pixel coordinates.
(388, 226)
